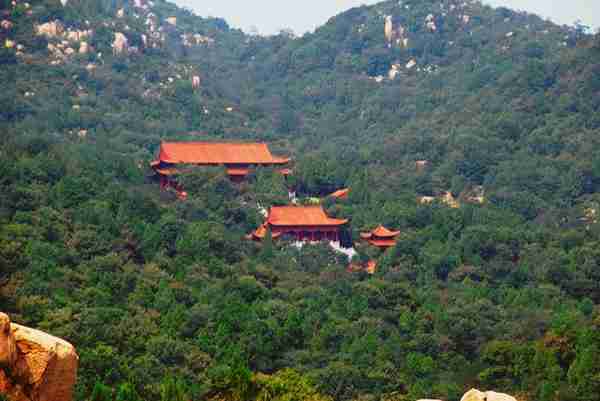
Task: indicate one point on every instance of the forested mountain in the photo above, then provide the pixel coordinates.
(407, 103)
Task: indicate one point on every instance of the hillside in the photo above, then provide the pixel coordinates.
(406, 103)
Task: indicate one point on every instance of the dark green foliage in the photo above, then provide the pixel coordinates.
(101, 393)
(172, 389)
(127, 392)
(166, 301)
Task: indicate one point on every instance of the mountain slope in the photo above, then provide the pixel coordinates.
(499, 108)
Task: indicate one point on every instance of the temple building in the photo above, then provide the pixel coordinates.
(381, 237)
(302, 223)
(237, 158)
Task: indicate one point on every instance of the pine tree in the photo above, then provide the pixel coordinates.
(267, 249)
(172, 389)
(127, 393)
(101, 392)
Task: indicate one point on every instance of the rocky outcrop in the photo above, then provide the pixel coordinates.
(76, 35)
(201, 39)
(84, 48)
(421, 164)
(35, 366)
(430, 23)
(6, 25)
(8, 345)
(476, 395)
(189, 40)
(120, 44)
(394, 71)
(389, 28)
(50, 29)
(395, 35)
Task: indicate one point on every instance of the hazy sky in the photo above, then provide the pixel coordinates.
(269, 16)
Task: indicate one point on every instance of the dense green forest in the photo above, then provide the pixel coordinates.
(165, 299)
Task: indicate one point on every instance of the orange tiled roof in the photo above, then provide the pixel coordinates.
(340, 193)
(383, 232)
(167, 171)
(217, 153)
(238, 171)
(383, 243)
(261, 232)
(301, 216)
(380, 232)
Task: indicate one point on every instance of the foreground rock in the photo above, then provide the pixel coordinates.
(36, 366)
(476, 395)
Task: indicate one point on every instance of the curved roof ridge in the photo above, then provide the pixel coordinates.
(382, 232)
(311, 215)
(203, 152)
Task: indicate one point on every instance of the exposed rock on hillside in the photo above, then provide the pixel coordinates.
(120, 44)
(196, 82)
(36, 366)
(6, 25)
(389, 28)
(392, 33)
(476, 395)
(50, 29)
(8, 345)
(84, 48)
(76, 36)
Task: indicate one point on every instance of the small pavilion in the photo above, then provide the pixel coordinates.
(381, 237)
(303, 223)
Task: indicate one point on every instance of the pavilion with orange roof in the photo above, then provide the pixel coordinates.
(303, 223)
(381, 237)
